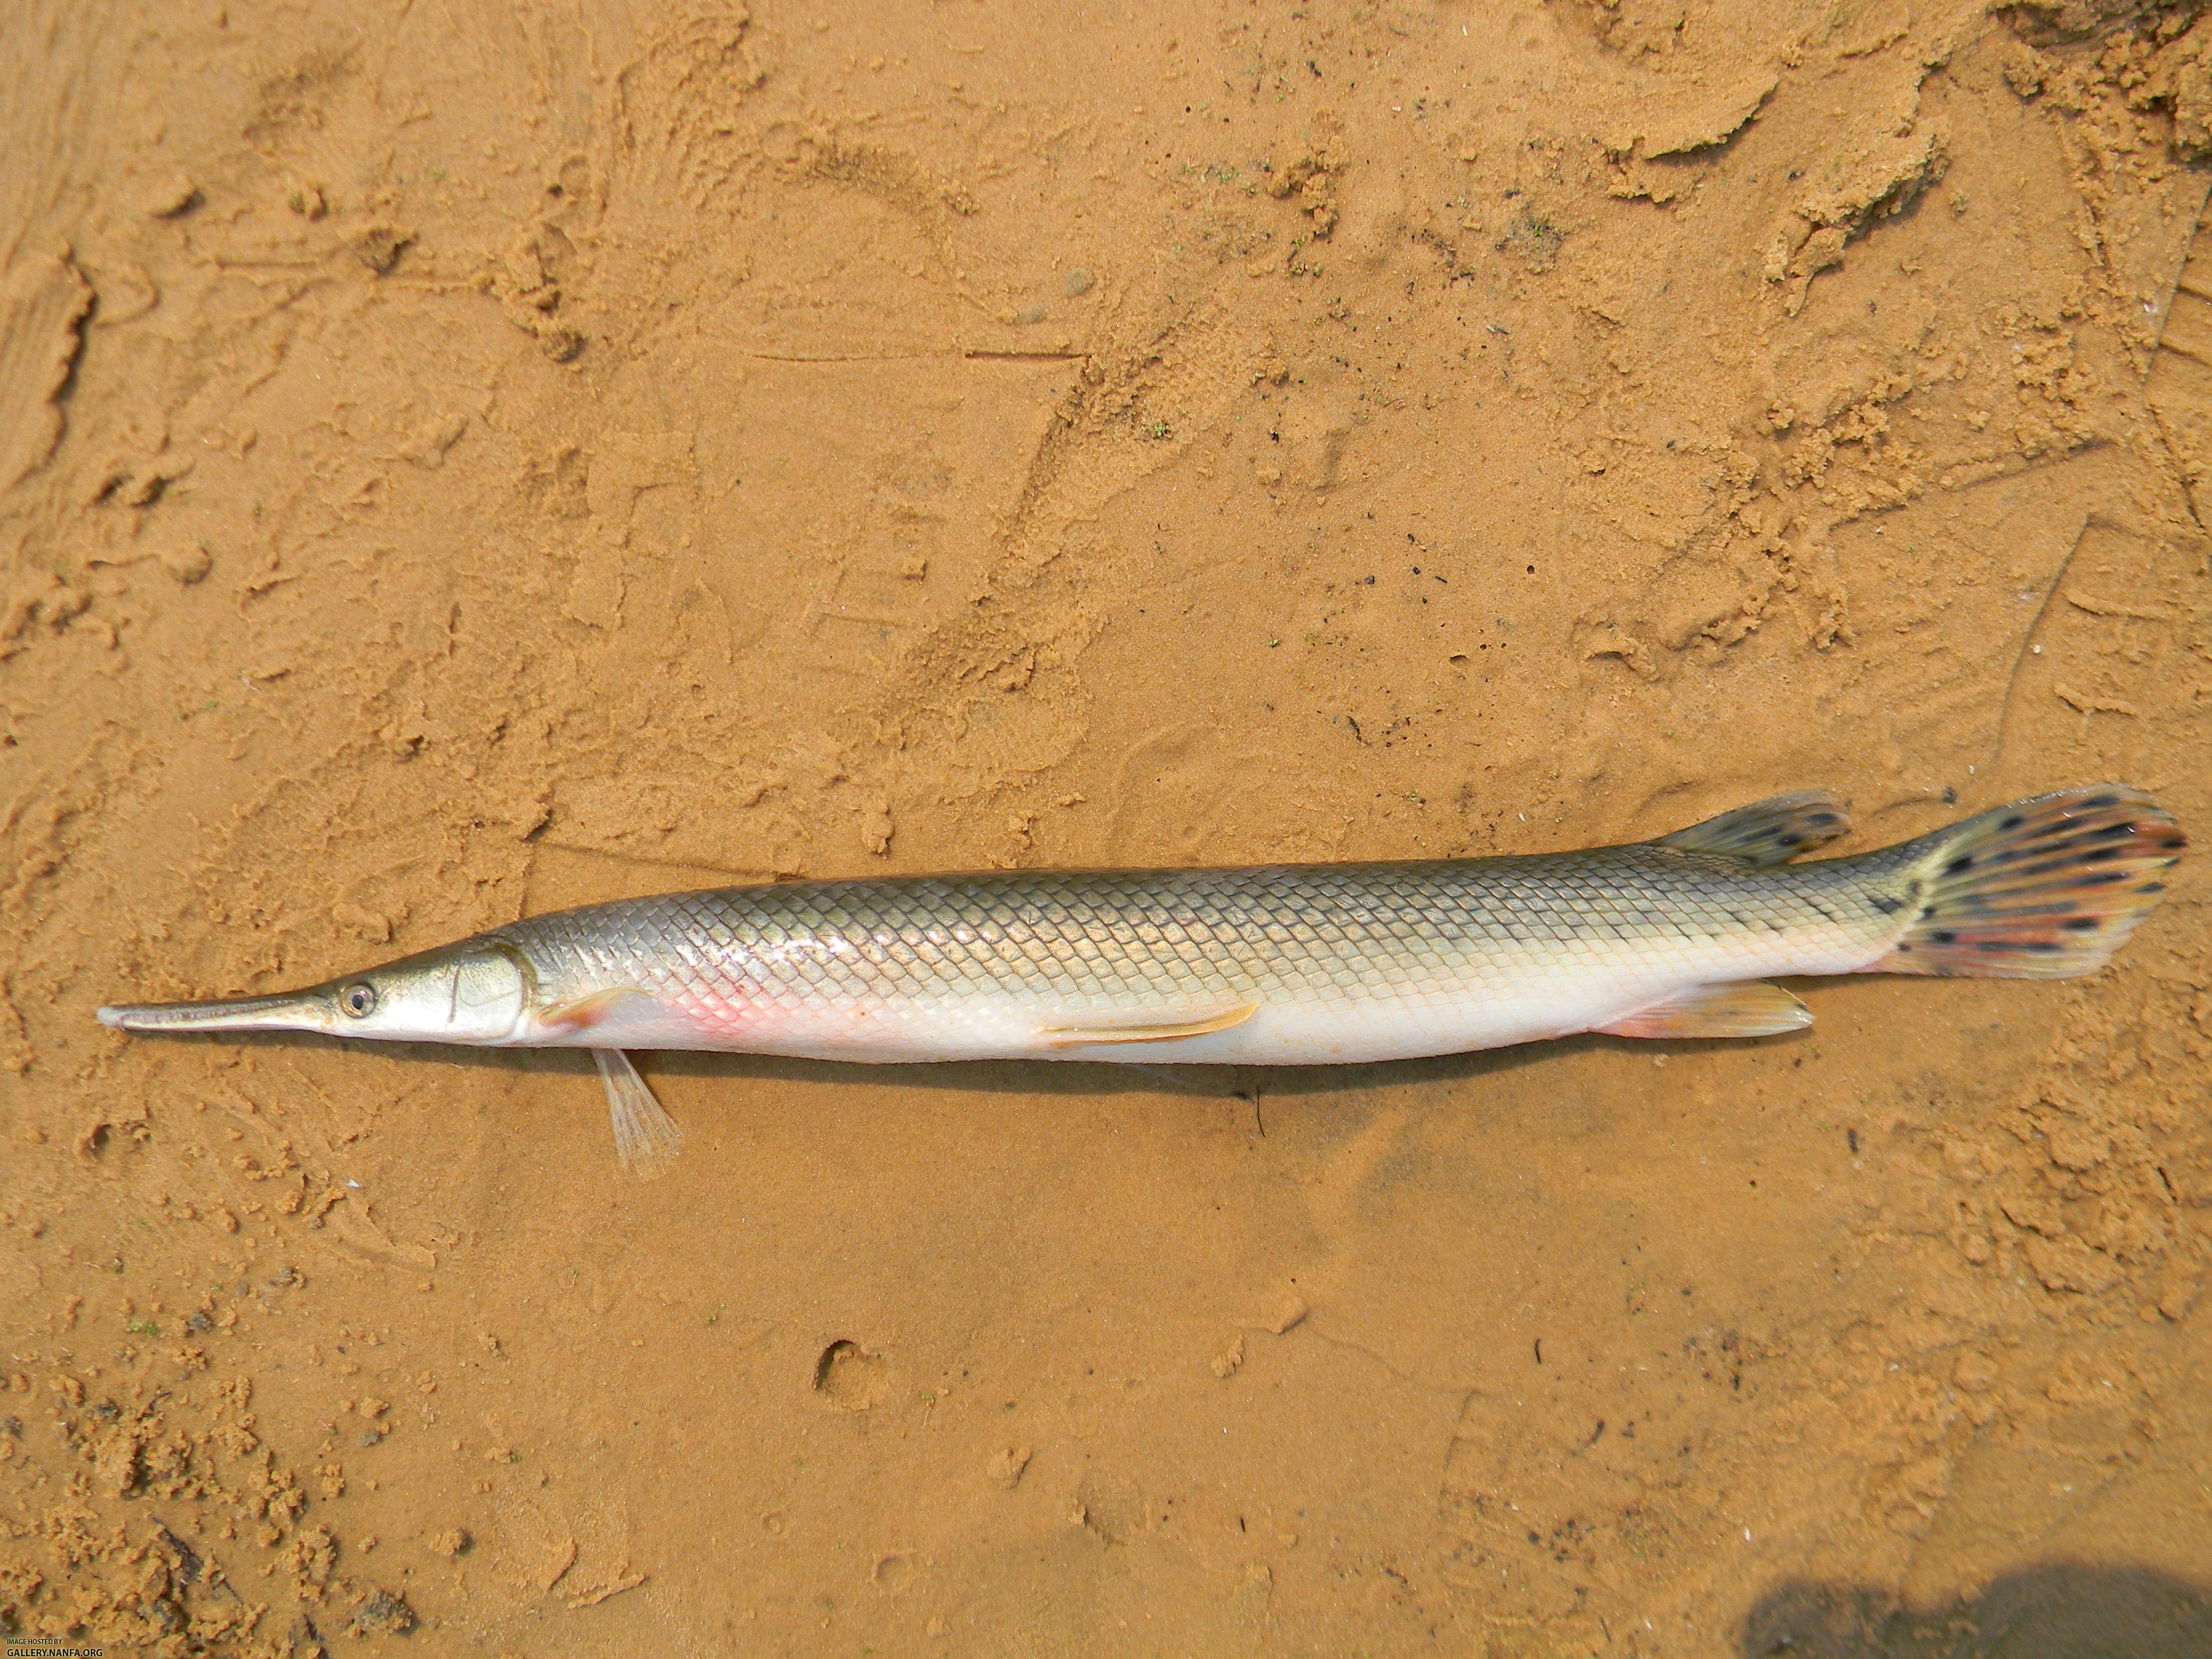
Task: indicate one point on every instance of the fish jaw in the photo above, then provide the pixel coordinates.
(311, 1010)
(475, 992)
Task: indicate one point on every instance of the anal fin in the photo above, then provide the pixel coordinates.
(645, 1138)
(1150, 1030)
(1744, 1008)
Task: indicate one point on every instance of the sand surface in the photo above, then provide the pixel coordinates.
(483, 457)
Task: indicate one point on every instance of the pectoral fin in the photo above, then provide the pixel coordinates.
(645, 1138)
(584, 1012)
(1150, 1030)
(1743, 1009)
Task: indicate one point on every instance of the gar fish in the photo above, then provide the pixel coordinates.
(1271, 965)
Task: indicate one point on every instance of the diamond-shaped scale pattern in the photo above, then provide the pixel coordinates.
(1340, 961)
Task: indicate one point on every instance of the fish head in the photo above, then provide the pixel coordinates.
(472, 992)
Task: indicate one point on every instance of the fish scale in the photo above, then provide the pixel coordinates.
(1290, 964)
(829, 968)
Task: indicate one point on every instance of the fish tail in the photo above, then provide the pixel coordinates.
(2043, 888)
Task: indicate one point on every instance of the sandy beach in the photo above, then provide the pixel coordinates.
(459, 460)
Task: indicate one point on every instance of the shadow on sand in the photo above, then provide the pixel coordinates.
(2060, 1610)
(1033, 1076)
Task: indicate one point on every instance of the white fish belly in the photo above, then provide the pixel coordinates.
(1339, 1034)
(1335, 964)
(1483, 1014)
(1488, 1008)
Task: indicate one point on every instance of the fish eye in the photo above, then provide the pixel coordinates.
(358, 999)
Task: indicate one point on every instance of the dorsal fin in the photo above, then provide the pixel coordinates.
(1770, 831)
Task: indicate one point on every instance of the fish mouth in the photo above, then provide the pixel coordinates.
(291, 1011)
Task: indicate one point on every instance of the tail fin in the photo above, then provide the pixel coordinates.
(2043, 888)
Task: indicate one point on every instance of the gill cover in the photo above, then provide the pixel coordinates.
(471, 992)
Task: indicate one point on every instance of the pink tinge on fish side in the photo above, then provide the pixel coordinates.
(1271, 965)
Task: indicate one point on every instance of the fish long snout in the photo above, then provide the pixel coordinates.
(290, 1010)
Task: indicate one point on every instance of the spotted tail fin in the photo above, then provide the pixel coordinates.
(2043, 888)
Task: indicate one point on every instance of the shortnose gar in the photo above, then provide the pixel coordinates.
(1274, 965)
